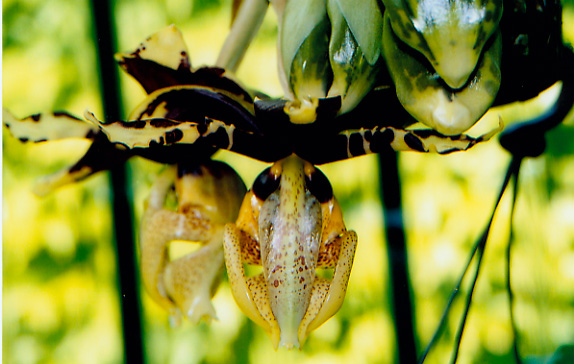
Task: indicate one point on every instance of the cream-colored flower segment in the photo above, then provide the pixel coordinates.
(50, 126)
(208, 196)
(291, 225)
(166, 48)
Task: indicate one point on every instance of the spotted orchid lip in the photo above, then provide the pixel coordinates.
(291, 228)
(290, 232)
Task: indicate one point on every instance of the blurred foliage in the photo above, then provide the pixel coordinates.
(60, 302)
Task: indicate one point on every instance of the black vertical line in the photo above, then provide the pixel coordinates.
(511, 236)
(104, 26)
(477, 250)
(512, 172)
(398, 259)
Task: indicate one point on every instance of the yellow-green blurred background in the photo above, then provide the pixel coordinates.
(60, 302)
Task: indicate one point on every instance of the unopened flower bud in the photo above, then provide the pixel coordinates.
(304, 48)
(354, 52)
(330, 48)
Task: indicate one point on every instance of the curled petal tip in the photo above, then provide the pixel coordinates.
(119, 57)
(274, 334)
(201, 309)
(90, 117)
(302, 111)
(494, 131)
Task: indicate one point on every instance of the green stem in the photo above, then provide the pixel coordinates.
(245, 26)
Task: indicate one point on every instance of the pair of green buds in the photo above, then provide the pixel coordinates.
(443, 56)
(330, 48)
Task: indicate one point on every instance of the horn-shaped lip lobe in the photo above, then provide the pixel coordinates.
(266, 183)
(316, 183)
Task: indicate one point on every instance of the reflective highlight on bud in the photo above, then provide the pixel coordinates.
(354, 74)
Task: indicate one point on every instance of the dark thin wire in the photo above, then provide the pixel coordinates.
(479, 244)
(103, 19)
(513, 170)
(397, 256)
(515, 350)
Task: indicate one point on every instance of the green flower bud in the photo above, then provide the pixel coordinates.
(304, 48)
(424, 96)
(330, 48)
(355, 68)
(310, 74)
(451, 34)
